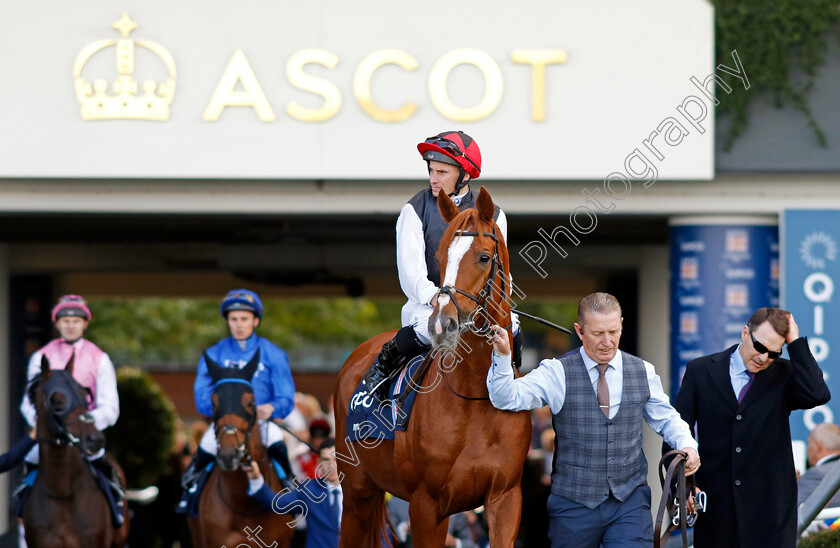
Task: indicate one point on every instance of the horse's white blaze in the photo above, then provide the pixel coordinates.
(457, 249)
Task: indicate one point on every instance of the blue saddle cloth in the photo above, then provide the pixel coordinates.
(190, 498)
(367, 417)
(115, 504)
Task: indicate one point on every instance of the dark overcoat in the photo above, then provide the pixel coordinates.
(745, 449)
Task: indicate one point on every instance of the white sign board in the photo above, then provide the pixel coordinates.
(345, 90)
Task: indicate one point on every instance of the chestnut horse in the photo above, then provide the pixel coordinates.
(227, 515)
(66, 506)
(458, 452)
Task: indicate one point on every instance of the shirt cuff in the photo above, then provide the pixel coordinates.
(427, 294)
(500, 360)
(255, 485)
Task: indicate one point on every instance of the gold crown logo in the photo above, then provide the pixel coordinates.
(96, 104)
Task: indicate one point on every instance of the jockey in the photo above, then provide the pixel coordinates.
(274, 389)
(453, 160)
(92, 367)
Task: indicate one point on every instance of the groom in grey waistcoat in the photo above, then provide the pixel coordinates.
(599, 397)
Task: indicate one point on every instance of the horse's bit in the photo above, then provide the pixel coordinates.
(233, 430)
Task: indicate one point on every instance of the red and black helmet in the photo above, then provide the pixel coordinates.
(453, 147)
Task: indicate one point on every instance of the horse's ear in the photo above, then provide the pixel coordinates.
(248, 371)
(45, 367)
(448, 209)
(216, 371)
(484, 205)
(70, 363)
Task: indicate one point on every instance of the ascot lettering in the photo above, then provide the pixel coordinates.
(239, 74)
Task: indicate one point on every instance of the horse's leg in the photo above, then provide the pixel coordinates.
(503, 515)
(363, 517)
(428, 527)
(195, 532)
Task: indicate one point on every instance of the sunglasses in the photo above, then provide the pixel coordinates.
(772, 354)
(449, 146)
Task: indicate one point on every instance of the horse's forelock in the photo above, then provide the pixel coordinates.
(467, 220)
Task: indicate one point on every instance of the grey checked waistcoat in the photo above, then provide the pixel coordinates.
(426, 206)
(594, 455)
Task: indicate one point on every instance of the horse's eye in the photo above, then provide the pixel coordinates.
(485, 258)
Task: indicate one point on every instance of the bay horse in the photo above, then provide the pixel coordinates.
(66, 507)
(227, 515)
(458, 451)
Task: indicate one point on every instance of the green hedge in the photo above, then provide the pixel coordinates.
(142, 438)
(823, 539)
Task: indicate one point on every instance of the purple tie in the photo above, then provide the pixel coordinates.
(746, 387)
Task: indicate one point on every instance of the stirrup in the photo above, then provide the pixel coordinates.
(190, 477)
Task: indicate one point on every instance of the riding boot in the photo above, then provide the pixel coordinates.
(111, 481)
(393, 356)
(278, 452)
(111, 475)
(516, 351)
(199, 462)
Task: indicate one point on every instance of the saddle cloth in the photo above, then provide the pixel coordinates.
(115, 503)
(367, 417)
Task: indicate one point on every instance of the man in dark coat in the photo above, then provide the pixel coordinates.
(748, 471)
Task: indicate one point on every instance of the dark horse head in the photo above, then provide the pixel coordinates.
(234, 410)
(62, 404)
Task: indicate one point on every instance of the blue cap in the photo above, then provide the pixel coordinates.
(242, 299)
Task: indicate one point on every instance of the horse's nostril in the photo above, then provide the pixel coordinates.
(451, 326)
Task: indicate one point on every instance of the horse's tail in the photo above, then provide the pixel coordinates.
(379, 528)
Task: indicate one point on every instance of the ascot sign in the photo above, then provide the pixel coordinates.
(240, 87)
(291, 91)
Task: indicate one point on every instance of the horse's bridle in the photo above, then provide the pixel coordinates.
(480, 300)
(485, 293)
(60, 436)
(63, 437)
(233, 430)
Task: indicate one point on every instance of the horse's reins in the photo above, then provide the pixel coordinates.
(67, 440)
(675, 508)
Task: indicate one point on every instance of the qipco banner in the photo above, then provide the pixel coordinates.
(809, 252)
(721, 271)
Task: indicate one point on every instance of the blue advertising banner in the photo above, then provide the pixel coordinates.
(720, 274)
(810, 239)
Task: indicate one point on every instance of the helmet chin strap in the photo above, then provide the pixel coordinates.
(460, 184)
